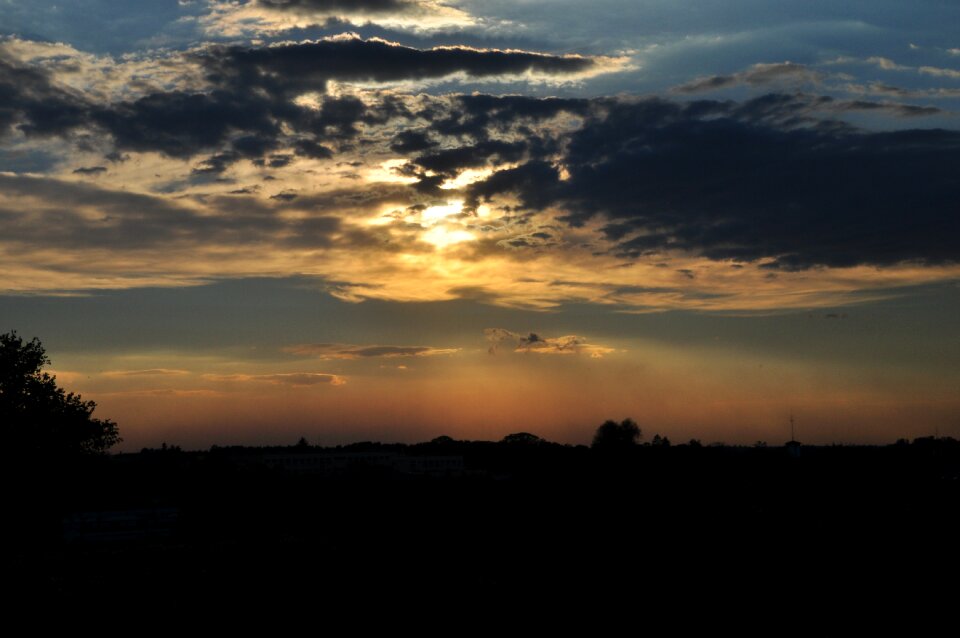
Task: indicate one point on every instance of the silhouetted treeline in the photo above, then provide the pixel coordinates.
(171, 476)
(520, 515)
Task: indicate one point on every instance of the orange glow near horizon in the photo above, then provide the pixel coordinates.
(681, 393)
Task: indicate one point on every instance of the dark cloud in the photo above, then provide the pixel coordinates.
(411, 142)
(181, 124)
(246, 109)
(350, 199)
(312, 149)
(449, 162)
(531, 240)
(274, 161)
(254, 145)
(296, 68)
(337, 118)
(452, 161)
(216, 164)
(90, 170)
(348, 351)
(712, 83)
(757, 75)
(535, 183)
(912, 110)
(901, 110)
(312, 232)
(499, 338)
(478, 116)
(429, 184)
(59, 218)
(324, 6)
(760, 75)
(511, 108)
(759, 180)
(30, 101)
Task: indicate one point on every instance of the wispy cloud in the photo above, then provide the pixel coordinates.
(757, 75)
(499, 338)
(151, 372)
(288, 378)
(348, 351)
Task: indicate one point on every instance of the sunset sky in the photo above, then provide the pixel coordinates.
(250, 221)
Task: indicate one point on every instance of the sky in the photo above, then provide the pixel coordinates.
(245, 222)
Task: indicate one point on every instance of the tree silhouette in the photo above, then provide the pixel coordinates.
(36, 415)
(616, 436)
(522, 438)
(660, 441)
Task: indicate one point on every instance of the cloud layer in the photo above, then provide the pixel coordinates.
(330, 158)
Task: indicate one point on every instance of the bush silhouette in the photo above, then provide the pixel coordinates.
(616, 436)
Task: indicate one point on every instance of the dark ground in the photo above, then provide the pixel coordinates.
(693, 533)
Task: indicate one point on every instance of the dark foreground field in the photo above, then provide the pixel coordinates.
(730, 530)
